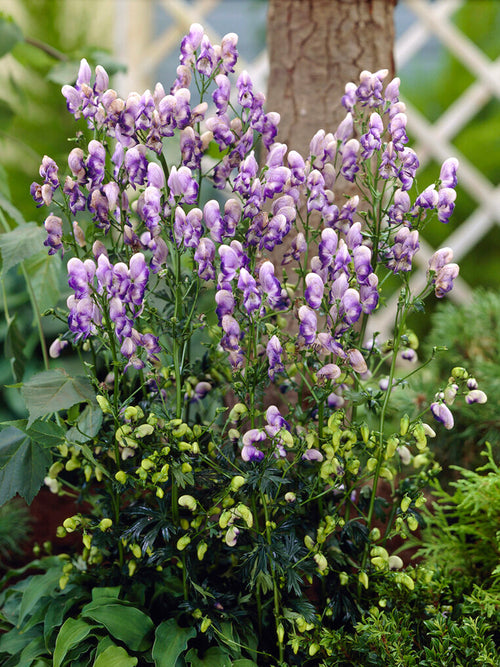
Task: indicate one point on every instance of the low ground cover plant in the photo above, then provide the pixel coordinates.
(241, 494)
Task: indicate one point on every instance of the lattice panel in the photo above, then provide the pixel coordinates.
(145, 48)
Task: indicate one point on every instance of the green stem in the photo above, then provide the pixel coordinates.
(276, 594)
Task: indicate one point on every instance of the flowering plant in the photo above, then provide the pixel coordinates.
(231, 442)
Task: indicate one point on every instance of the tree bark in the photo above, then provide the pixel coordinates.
(315, 48)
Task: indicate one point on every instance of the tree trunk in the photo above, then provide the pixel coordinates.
(315, 48)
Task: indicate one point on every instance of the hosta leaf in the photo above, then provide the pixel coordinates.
(213, 657)
(23, 465)
(51, 391)
(126, 623)
(170, 641)
(115, 656)
(72, 632)
(21, 243)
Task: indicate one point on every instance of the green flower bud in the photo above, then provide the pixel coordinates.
(237, 482)
(136, 550)
(147, 464)
(392, 445)
(459, 373)
(412, 522)
(237, 412)
(290, 497)
(245, 513)
(313, 649)
(371, 464)
(365, 433)
(309, 542)
(363, 579)
(379, 563)
(374, 534)
(395, 562)
(104, 404)
(87, 540)
(406, 580)
(143, 430)
(226, 518)
(187, 501)
(105, 524)
(180, 431)
(404, 424)
(182, 542)
(71, 524)
(121, 476)
(321, 561)
(405, 503)
(343, 578)
(205, 624)
(186, 467)
(201, 550)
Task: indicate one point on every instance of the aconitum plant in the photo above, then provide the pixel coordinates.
(244, 478)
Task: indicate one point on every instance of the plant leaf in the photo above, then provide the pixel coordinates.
(126, 623)
(21, 243)
(115, 656)
(72, 632)
(23, 465)
(40, 585)
(170, 641)
(44, 272)
(87, 425)
(51, 391)
(213, 657)
(46, 434)
(14, 349)
(10, 34)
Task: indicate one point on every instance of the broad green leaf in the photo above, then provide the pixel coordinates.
(64, 72)
(244, 662)
(14, 641)
(51, 391)
(23, 465)
(10, 34)
(14, 350)
(106, 592)
(126, 623)
(213, 657)
(46, 434)
(72, 632)
(170, 641)
(33, 650)
(115, 656)
(7, 207)
(44, 273)
(21, 243)
(87, 426)
(40, 585)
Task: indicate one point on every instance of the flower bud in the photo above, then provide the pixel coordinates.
(321, 561)
(182, 542)
(201, 550)
(205, 624)
(121, 476)
(405, 503)
(404, 424)
(105, 524)
(363, 579)
(237, 482)
(104, 404)
(395, 563)
(187, 501)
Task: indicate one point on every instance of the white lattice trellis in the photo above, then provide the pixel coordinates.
(144, 50)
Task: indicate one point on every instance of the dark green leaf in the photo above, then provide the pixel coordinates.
(244, 662)
(10, 34)
(46, 434)
(126, 623)
(12, 212)
(23, 465)
(72, 633)
(21, 243)
(87, 426)
(44, 272)
(213, 657)
(51, 391)
(115, 656)
(40, 585)
(170, 641)
(14, 350)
